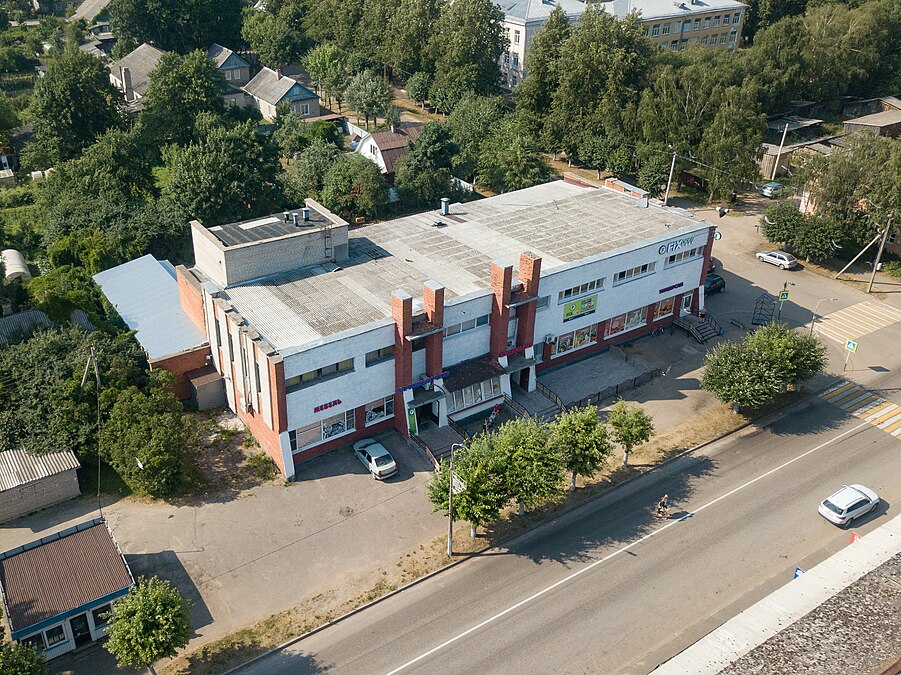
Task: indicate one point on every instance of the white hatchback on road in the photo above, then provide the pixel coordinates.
(851, 502)
(780, 259)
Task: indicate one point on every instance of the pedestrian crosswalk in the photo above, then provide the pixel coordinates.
(857, 320)
(866, 405)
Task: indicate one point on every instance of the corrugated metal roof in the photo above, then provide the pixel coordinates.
(89, 10)
(18, 467)
(880, 119)
(62, 572)
(145, 293)
(22, 322)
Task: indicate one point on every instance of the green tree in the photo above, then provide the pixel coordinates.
(534, 95)
(481, 466)
(290, 133)
(181, 88)
(815, 239)
(306, 175)
(273, 36)
(228, 175)
(471, 122)
(369, 95)
(152, 622)
(409, 30)
(21, 659)
(533, 469)
(466, 44)
(322, 63)
(781, 223)
(775, 60)
(510, 161)
(580, 438)
(149, 440)
(71, 106)
(423, 175)
(630, 426)
(418, 87)
(40, 409)
(653, 171)
(740, 377)
(334, 21)
(794, 356)
(174, 26)
(353, 187)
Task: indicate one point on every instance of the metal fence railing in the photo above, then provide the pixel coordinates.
(460, 430)
(551, 394)
(617, 390)
(516, 407)
(423, 446)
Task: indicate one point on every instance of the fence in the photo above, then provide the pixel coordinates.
(460, 430)
(518, 408)
(421, 444)
(616, 390)
(551, 394)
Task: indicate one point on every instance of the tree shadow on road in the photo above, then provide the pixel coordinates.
(613, 519)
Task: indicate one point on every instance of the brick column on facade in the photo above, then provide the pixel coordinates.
(402, 313)
(530, 275)
(190, 297)
(433, 301)
(501, 278)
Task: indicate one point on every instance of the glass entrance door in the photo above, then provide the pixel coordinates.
(81, 631)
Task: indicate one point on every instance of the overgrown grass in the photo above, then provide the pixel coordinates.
(110, 482)
(260, 466)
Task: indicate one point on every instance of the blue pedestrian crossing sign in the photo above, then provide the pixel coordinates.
(783, 296)
(851, 346)
(798, 572)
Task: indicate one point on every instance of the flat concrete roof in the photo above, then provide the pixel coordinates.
(268, 227)
(561, 222)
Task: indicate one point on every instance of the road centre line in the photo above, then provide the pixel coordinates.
(625, 548)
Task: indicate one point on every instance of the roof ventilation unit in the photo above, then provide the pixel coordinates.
(306, 214)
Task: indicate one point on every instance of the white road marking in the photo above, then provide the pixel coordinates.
(616, 552)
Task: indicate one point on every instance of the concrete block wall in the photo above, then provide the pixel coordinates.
(38, 495)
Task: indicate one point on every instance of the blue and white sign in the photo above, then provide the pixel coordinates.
(783, 296)
(851, 346)
(798, 572)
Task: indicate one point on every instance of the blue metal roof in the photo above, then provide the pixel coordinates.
(145, 293)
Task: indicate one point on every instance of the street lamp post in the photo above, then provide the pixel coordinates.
(450, 501)
(813, 319)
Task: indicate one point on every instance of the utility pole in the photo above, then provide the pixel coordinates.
(888, 227)
(672, 168)
(779, 154)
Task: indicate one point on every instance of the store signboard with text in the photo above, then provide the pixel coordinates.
(581, 307)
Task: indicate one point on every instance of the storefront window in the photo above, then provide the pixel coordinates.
(665, 308)
(577, 339)
(379, 410)
(474, 394)
(337, 425)
(626, 322)
(330, 427)
(36, 641)
(101, 615)
(55, 635)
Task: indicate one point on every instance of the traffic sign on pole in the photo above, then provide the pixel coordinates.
(458, 485)
(783, 296)
(851, 346)
(854, 537)
(798, 572)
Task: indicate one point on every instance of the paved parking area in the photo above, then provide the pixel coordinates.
(243, 559)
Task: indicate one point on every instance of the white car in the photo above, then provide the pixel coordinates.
(851, 502)
(377, 460)
(780, 259)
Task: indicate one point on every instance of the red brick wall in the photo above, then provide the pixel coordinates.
(433, 301)
(180, 364)
(402, 313)
(530, 274)
(501, 278)
(190, 296)
(267, 438)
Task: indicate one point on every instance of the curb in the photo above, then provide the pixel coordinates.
(764, 421)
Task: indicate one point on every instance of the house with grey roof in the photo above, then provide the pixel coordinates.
(131, 73)
(234, 69)
(270, 88)
(89, 10)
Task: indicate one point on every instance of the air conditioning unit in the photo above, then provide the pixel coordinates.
(247, 407)
(428, 386)
(550, 339)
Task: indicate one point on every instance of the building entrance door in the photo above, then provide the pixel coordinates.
(425, 413)
(685, 308)
(81, 631)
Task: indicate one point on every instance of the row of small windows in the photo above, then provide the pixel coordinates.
(689, 25)
(582, 289)
(634, 272)
(682, 256)
(464, 326)
(313, 376)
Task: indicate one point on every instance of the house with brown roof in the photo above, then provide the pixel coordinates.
(386, 147)
(58, 591)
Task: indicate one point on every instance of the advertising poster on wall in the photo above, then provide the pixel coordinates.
(581, 307)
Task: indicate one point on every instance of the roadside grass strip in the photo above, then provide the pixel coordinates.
(857, 320)
(865, 405)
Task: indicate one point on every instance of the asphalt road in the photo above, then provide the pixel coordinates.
(607, 588)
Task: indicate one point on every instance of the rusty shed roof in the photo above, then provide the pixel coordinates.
(61, 573)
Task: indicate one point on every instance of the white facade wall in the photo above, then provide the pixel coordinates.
(472, 343)
(68, 644)
(615, 300)
(370, 151)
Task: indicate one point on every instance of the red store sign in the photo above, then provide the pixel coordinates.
(326, 406)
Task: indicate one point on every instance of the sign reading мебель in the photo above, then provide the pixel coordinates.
(676, 245)
(581, 307)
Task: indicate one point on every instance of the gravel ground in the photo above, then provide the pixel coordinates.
(856, 631)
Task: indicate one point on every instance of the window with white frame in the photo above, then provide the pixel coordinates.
(677, 26)
(101, 615)
(583, 337)
(228, 74)
(726, 20)
(36, 641)
(697, 24)
(473, 394)
(723, 39)
(305, 109)
(666, 29)
(634, 273)
(330, 427)
(716, 21)
(704, 41)
(686, 26)
(713, 39)
(543, 302)
(469, 324)
(516, 60)
(674, 45)
(55, 635)
(706, 22)
(513, 80)
(736, 19)
(655, 31)
(626, 322)
(379, 410)
(582, 289)
(665, 308)
(644, 31)
(516, 37)
(732, 36)
(688, 254)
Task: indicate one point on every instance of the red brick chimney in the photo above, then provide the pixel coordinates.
(433, 301)
(402, 313)
(530, 274)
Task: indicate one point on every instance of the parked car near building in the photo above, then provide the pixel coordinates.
(714, 283)
(781, 259)
(376, 458)
(774, 190)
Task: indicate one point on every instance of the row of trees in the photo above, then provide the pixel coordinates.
(853, 193)
(525, 460)
(752, 372)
